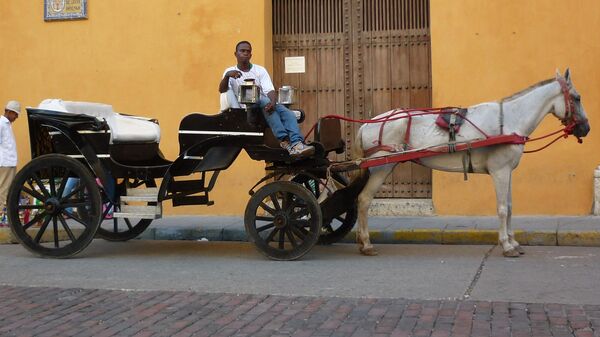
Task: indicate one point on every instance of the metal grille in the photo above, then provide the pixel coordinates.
(307, 16)
(395, 14)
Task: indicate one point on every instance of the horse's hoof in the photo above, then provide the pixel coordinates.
(369, 252)
(520, 250)
(511, 253)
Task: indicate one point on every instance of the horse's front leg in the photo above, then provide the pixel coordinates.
(502, 182)
(364, 200)
(509, 229)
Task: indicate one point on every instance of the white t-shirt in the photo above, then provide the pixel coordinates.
(8, 145)
(257, 73)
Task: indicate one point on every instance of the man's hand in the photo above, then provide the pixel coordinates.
(269, 108)
(233, 73)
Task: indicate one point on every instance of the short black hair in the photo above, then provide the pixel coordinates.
(242, 42)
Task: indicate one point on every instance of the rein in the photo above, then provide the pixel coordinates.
(570, 121)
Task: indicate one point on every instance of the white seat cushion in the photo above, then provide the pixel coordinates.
(123, 129)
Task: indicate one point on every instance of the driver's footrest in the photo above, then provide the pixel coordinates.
(139, 212)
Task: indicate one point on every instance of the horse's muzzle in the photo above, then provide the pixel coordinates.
(581, 129)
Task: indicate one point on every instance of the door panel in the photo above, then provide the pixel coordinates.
(363, 57)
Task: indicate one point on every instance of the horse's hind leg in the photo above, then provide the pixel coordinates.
(364, 200)
(502, 181)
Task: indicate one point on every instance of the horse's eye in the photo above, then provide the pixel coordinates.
(577, 98)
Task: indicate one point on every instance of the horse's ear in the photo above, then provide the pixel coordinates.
(558, 75)
(568, 75)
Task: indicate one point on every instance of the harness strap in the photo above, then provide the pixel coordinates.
(501, 117)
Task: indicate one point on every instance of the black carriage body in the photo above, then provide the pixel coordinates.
(208, 144)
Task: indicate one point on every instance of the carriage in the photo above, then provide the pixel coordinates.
(98, 173)
(116, 161)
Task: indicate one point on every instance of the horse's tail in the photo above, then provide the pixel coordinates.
(357, 152)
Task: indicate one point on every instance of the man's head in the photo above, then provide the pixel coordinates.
(12, 110)
(243, 52)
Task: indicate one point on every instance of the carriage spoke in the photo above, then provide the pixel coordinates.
(73, 192)
(275, 202)
(63, 183)
(301, 213)
(300, 223)
(327, 228)
(22, 207)
(267, 208)
(77, 203)
(340, 219)
(51, 182)
(290, 236)
(35, 219)
(281, 239)
(106, 211)
(42, 229)
(55, 230)
(301, 235)
(272, 235)
(41, 185)
(33, 193)
(265, 227)
(287, 201)
(128, 223)
(265, 218)
(76, 218)
(67, 229)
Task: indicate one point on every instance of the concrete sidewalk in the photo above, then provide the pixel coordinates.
(529, 230)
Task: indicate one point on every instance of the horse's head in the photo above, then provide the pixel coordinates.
(570, 111)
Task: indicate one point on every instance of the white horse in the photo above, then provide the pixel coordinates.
(518, 114)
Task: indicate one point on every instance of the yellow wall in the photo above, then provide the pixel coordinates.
(159, 58)
(485, 50)
(164, 59)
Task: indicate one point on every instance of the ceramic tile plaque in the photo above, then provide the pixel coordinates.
(65, 10)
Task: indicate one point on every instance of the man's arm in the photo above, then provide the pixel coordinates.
(273, 97)
(224, 84)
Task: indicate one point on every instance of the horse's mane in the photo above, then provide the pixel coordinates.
(528, 89)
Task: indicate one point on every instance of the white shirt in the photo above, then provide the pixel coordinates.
(257, 73)
(8, 145)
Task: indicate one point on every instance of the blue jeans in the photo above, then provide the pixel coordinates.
(282, 122)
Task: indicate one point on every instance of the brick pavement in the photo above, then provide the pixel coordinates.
(50, 312)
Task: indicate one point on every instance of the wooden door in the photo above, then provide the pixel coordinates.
(363, 57)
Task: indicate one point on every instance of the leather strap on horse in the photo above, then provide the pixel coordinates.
(501, 116)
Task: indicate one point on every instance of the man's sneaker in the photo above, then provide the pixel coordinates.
(301, 150)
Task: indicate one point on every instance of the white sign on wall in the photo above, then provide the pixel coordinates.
(295, 64)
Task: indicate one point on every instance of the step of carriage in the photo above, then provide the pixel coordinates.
(139, 212)
(141, 194)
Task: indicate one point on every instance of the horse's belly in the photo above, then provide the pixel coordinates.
(456, 162)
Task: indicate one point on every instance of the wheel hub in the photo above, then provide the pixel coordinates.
(52, 205)
(280, 221)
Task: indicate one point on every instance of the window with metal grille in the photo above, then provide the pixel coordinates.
(395, 14)
(307, 16)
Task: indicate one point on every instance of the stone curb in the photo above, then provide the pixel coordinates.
(584, 238)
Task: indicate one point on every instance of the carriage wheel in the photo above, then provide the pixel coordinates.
(336, 229)
(283, 219)
(48, 220)
(124, 229)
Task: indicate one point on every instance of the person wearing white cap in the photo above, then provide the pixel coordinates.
(8, 151)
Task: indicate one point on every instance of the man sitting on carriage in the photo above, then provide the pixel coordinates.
(281, 120)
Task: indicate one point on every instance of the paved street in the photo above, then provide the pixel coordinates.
(166, 288)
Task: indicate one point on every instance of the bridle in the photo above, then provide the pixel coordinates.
(570, 119)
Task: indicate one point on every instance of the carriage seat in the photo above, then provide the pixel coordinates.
(123, 129)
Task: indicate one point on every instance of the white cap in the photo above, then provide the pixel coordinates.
(13, 106)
